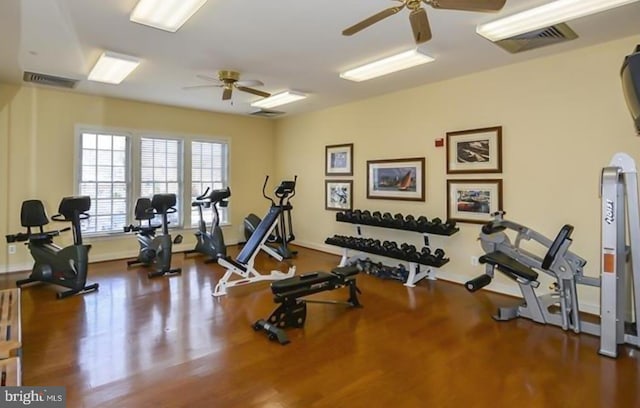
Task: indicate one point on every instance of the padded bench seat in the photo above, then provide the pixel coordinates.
(308, 280)
(509, 266)
(10, 373)
(10, 330)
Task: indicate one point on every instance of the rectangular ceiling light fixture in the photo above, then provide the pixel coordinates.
(386, 66)
(113, 68)
(278, 99)
(559, 11)
(168, 15)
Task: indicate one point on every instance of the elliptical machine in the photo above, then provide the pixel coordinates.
(52, 264)
(210, 243)
(155, 250)
(283, 233)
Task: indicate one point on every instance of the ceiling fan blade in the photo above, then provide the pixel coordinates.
(253, 91)
(249, 82)
(420, 25)
(226, 94)
(199, 87)
(468, 5)
(208, 78)
(372, 20)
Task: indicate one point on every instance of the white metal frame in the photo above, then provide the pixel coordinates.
(619, 185)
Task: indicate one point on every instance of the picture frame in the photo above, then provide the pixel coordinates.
(475, 151)
(396, 179)
(473, 201)
(338, 160)
(338, 195)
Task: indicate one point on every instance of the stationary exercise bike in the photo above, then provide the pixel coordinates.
(210, 243)
(155, 250)
(52, 264)
(283, 233)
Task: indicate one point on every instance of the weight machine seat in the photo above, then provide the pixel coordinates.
(74, 205)
(508, 265)
(313, 280)
(33, 214)
(163, 202)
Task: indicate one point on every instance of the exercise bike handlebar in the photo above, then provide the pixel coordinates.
(61, 217)
(203, 195)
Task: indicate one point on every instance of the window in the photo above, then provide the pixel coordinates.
(103, 177)
(208, 169)
(160, 170)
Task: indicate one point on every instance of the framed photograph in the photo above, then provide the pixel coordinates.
(475, 151)
(473, 200)
(338, 194)
(339, 160)
(396, 179)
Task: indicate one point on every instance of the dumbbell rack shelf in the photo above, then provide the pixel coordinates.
(415, 274)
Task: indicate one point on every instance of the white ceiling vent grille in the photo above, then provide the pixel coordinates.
(539, 38)
(44, 79)
(266, 113)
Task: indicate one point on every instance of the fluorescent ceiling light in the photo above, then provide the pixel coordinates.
(559, 11)
(113, 68)
(387, 65)
(278, 99)
(168, 15)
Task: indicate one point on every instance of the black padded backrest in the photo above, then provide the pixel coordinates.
(261, 230)
(33, 214)
(218, 195)
(143, 209)
(563, 235)
(74, 205)
(163, 202)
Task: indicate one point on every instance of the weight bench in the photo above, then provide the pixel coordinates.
(10, 338)
(292, 311)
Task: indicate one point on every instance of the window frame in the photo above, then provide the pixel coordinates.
(133, 168)
(193, 223)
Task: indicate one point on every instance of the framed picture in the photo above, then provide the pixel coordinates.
(338, 194)
(473, 200)
(339, 160)
(475, 151)
(397, 179)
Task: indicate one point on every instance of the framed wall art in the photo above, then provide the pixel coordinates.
(473, 200)
(475, 151)
(396, 179)
(338, 194)
(339, 160)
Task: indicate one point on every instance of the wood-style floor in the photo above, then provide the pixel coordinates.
(168, 343)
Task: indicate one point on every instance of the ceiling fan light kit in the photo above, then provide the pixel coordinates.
(279, 99)
(113, 68)
(388, 65)
(558, 11)
(167, 15)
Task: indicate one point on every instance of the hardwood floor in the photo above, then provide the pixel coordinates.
(168, 343)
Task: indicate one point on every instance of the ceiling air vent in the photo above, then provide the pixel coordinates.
(266, 113)
(44, 79)
(539, 38)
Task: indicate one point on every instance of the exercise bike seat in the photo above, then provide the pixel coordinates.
(71, 207)
(143, 210)
(162, 203)
(33, 214)
(509, 266)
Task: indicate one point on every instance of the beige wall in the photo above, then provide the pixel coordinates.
(37, 131)
(563, 117)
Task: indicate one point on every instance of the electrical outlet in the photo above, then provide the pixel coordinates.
(474, 261)
(12, 249)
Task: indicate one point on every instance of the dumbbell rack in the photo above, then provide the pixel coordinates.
(415, 274)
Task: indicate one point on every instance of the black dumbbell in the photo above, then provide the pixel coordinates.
(355, 216)
(387, 220)
(423, 224)
(398, 220)
(410, 223)
(376, 218)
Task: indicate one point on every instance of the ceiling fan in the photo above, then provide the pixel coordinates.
(228, 80)
(418, 16)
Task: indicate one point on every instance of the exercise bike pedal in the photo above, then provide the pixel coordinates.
(177, 239)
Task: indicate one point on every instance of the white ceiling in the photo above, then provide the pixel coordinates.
(287, 44)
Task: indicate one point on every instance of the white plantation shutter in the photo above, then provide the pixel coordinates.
(208, 169)
(103, 177)
(160, 170)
